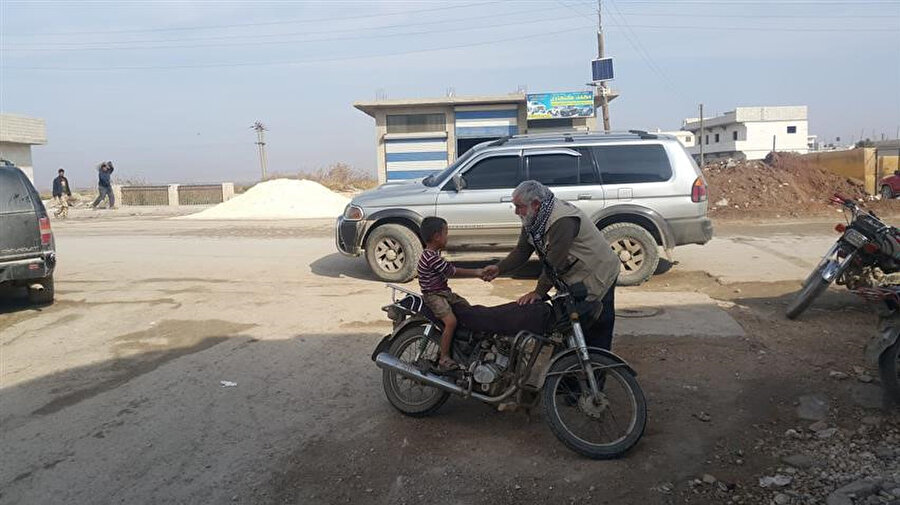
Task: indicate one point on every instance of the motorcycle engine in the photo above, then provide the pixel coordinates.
(489, 372)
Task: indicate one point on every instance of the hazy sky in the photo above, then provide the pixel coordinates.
(168, 90)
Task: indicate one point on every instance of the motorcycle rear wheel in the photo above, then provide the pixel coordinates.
(814, 286)
(406, 395)
(889, 369)
(566, 410)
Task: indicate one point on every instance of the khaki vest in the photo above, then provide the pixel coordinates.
(597, 266)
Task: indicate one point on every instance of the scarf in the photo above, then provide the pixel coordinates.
(538, 226)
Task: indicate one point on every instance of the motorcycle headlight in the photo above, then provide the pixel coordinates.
(353, 213)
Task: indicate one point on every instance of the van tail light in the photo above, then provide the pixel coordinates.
(46, 233)
(840, 227)
(699, 192)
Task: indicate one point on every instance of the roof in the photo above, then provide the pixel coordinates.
(749, 114)
(18, 129)
(370, 107)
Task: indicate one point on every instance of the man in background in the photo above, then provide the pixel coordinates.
(61, 193)
(104, 185)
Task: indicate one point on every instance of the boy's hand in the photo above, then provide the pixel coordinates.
(489, 273)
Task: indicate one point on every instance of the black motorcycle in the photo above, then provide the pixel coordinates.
(590, 397)
(867, 254)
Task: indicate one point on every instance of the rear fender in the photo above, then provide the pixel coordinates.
(597, 350)
(388, 339)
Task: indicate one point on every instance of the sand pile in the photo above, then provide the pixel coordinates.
(279, 199)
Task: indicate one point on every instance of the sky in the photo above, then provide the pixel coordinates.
(168, 90)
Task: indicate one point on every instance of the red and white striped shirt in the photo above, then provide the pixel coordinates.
(434, 271)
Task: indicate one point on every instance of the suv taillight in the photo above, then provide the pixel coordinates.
(698, 192)
(46, 233)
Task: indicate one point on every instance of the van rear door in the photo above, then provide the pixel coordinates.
(20, 235)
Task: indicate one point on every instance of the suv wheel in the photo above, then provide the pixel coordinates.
(392, 251)
(887, 193)
(637, 250)
(43, 295)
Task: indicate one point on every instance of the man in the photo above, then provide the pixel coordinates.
(61, 193)
(104, 185)
(573, 247)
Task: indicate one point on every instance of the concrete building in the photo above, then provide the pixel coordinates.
(17, 135)
(751, 132)
(416, 137)
(687, 139)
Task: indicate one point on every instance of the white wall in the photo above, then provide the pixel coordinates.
(19, 155)
(754, 139)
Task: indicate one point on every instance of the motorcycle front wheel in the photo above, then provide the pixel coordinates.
(603, 428)
(406, 395)
(889, 369)
(814, 286)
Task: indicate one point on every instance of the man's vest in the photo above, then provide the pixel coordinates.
(590, 259)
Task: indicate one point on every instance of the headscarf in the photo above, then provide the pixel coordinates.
(538, 226)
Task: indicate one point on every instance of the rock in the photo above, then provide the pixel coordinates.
(792, 433)
(828, 433)
(703, 416)
(801, 461)
(708, 479)
(776, 480)
(813, 407)
(896, 492)
(818, 426)
(885, 452)
(858, 490)
(722, 203)
(782, 499)
(869, 396)
(834, 374)
(872, 420)
(865, 378)
(858, 370)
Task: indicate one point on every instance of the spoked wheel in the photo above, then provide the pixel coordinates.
(889, 369)
(602, 428)
(814, 286)
(406, 395)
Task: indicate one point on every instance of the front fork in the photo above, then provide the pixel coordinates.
(577, 341)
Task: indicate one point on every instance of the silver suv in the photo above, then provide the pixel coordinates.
(642, 190)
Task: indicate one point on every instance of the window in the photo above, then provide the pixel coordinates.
(494, 173)
(707, 140)
(687, 139)
(553, 169)
(587, 173)
(734, 135)
(717, 138)
(792, 129)
(416, 123)
(632, 164)
(14, 196)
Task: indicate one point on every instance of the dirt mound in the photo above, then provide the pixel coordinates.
(781, 185)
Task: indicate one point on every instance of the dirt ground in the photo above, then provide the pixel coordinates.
(113, 395)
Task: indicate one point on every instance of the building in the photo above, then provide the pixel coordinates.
(686, 138)
(416, 137)
(750, 133)
(17, 135)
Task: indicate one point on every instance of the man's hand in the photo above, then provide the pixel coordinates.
(490, 273)
(528, 298)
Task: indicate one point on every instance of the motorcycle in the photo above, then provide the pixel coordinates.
(591, 400)
(884, 349)
(867, 254)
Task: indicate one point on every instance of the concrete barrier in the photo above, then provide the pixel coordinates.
(174, 194)
(859, 164)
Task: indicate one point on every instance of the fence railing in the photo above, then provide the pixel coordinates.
(175, 194)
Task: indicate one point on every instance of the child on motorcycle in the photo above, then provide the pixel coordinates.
(433, 273)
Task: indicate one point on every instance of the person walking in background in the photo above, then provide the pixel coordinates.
(104, 185)
(61, 193)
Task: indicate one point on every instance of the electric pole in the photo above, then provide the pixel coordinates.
(604, 91)
(700, 137)
(261, 146)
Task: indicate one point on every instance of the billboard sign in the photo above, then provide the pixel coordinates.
(561, 105)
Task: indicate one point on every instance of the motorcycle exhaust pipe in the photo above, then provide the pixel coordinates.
(387, 361)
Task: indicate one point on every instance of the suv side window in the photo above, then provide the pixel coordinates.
(631, 164)
(553, 169)
(587, 173)
(499, 172)
(14, 195)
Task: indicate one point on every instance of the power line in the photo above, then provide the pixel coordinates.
(569, 30)
(775, 3)
(767, 28)
(292, 42)
(758, 16)
(265, 23)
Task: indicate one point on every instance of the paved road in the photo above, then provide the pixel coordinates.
(113, 395)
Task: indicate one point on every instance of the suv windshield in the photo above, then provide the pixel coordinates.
(435, 179)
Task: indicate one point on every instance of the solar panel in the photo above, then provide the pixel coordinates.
(602, 69)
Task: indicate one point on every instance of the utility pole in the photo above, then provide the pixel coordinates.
(604, 91)
(261, 146)
(700, 138)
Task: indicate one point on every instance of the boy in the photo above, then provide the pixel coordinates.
(433, 273)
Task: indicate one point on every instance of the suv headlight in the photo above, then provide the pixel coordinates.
(353, 213)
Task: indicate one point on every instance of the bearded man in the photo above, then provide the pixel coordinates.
(573, 247)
